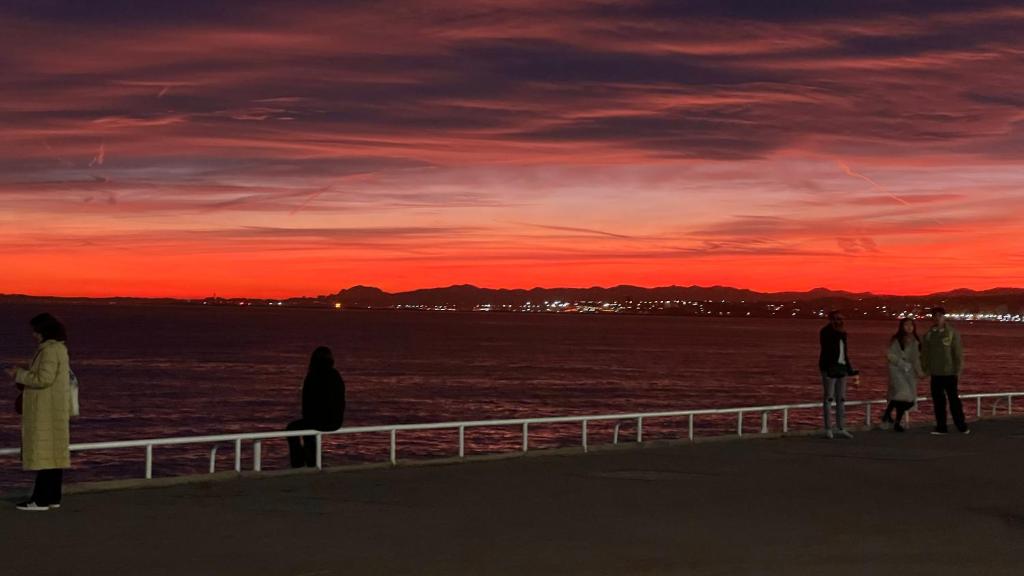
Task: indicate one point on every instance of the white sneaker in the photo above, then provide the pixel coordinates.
(885, 425)
(829, 434)
(844, 434)
(32, 507)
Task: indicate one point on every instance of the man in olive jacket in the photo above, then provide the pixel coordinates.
(942, 358)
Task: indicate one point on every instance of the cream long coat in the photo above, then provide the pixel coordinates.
(904, 371)
(46, 409)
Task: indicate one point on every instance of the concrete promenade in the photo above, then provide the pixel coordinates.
(881, 503)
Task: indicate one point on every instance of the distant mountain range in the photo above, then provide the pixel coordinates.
(711, 299)
(466, 294)
(997, 300)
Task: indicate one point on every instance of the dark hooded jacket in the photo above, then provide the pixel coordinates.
(828, 360)
(323, 399)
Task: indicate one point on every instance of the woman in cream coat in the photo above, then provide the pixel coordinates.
(45, 408)
(904, 357)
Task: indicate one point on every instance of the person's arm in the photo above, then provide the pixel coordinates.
(916, 361)
(924, 354)
(895, 354)
(823, 342)
(340, 400)
(308, 401)
(42, 373)
(849, 363)
(957, 353)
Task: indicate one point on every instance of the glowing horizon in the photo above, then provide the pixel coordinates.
(257, 151)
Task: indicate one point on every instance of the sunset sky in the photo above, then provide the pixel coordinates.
(296, 148)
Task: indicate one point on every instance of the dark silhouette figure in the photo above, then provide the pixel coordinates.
(942, 358)
(834, 363)
(323, 406)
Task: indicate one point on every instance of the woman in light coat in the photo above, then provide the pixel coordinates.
(45, 409)
(904, 358)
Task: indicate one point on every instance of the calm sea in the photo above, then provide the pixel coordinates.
(156, 371)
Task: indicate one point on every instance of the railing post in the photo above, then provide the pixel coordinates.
(1009, 404)
(615, 434)
(764, 422)
(319, 451)
(526, 436)
(393, 455)
(690, 427)
(867, 414)
(739, 423)
(238, 455)
(213, 459)
(640, 429)
(149, 461)
(585, 436)
(257, 455)
(906, 416)
(462, 441)
(785, 420)
(979, 406)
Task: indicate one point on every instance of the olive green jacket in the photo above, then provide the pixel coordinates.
(942, 352)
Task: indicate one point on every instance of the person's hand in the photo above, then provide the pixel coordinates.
(11, 372)
(855, 379)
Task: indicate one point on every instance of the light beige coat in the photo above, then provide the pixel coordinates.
(46, 409)
(904, 371)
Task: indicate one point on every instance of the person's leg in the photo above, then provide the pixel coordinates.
(58, 486)
(841, 403)
(55, 482)
(956, 408)
(828, 391)
(887, 415)
(939, 402)
(39, 489)
(309, 450)
(295, 450)
(901, 409)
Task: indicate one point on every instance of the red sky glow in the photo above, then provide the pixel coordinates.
(273, 149)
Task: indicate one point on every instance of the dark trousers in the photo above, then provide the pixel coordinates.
(302, 450)
(944, 387)
(901, 408)
(47, 490)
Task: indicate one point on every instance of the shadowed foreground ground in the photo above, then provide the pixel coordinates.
(912, 503)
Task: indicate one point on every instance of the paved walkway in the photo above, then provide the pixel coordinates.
(882, 502)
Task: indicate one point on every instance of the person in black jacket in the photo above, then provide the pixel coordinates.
(323, 406)
(835, 366)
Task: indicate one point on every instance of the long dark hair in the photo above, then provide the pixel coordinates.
(901, 337)
(49, 327)
(322, 360)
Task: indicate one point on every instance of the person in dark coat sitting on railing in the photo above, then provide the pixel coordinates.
(323, 406)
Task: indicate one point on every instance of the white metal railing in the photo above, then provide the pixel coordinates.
(257, 438)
